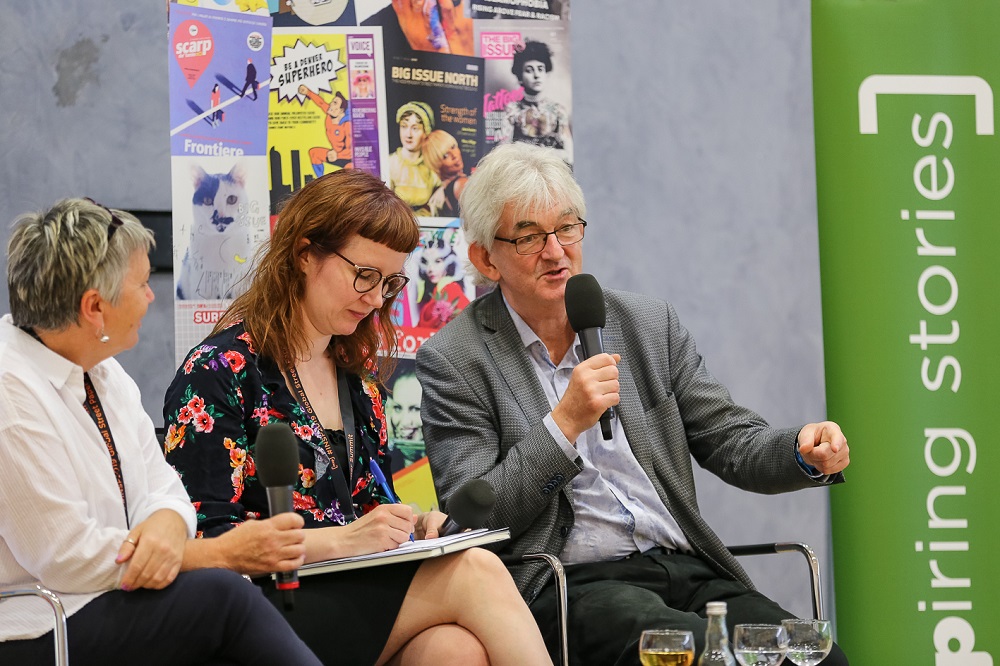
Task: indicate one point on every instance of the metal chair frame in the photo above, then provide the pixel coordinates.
(562, 603)
(59, 633)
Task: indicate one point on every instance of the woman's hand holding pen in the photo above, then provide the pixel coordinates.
(383, 528)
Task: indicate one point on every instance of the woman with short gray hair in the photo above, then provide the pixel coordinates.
(90, 508)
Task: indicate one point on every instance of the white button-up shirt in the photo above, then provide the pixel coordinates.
(62, 519)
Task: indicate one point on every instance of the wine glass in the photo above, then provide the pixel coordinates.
(760, 644)
(809, 641)
(666, 647)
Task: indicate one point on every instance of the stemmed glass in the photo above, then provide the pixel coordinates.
(760, 644)
(666, 647)
(809, 641)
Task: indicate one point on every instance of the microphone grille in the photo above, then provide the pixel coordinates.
(471, 505)
(276, 455)
(584, 302)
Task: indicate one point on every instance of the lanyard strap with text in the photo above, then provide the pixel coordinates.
(344, 496)
(93, 406)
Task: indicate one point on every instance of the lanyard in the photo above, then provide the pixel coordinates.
(93, 407)
(344, 497)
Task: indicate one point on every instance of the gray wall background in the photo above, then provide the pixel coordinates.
(694, 145)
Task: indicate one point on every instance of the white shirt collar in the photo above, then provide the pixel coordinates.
(54, 368)
(529, 337)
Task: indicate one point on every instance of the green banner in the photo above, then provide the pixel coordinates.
(908, 170)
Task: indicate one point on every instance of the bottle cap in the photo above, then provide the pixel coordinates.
(715, 608)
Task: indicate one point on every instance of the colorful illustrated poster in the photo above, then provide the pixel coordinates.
(539, 10)
(528, 83)
(438, 289)
(287, 13)
(218, 114)
(420, 25)
(433, 100)
(218, 102)
(327, 102)
(259, 7)
(411, 475)
(220, 217)
(300, 13)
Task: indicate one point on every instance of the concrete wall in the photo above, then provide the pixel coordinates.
(693, 126)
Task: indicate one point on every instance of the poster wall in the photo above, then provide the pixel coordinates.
(906, 150)
(266, 95)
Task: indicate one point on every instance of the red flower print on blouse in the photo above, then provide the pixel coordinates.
(189, 364)
(196, 404)
(185, 415)
(203, 422)
(260, 413)
(245, 337)
(237, 457)
(250, 467)
(302, 502)
(237, 479)
(175, 437)
(235, 360)
(308, 476)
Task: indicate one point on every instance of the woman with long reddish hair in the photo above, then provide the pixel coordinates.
(300, 347)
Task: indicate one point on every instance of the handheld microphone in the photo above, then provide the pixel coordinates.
(277, 459)
(585, 309)
(469, 507)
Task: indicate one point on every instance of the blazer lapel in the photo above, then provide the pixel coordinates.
(630, 410)
(511, 359)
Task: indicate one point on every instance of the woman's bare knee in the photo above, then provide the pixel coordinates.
(444, 644)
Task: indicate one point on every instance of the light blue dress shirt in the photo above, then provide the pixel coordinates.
(617, 511)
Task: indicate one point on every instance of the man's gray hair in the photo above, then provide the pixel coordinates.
(529, 178)
(53, 257)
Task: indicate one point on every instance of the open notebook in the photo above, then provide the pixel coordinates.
(410, 550)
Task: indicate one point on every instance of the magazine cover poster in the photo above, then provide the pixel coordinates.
(438, 289)
(219, 220)
(218, 71)
(305, 13)
(528, 84)
(326, 106)
(258, 7)
(402, 414)
(436, 26)
(291, 13)
(438, 99)
(540, 10)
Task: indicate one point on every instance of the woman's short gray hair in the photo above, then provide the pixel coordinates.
(53, 257)
(527, 177)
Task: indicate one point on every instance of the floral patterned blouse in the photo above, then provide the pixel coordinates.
(220, 398)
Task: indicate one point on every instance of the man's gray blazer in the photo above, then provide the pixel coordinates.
(483, 406)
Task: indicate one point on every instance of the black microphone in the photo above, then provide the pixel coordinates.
(277, 459)
(585, 309)
(469, 507)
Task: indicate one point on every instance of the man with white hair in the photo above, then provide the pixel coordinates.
(508, 397)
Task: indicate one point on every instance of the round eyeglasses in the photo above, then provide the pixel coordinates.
(367, 278)
(567, 234)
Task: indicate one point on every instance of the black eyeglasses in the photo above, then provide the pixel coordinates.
(567, 234)
(367, 278)
(115, 220)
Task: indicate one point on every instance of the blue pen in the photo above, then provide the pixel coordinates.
(383, 484)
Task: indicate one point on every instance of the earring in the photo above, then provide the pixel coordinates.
(104, 338)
